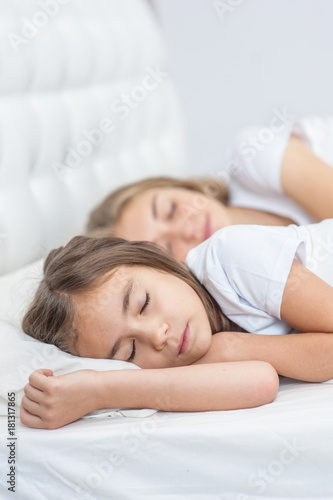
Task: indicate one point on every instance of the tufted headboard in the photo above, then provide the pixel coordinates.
(86, 104)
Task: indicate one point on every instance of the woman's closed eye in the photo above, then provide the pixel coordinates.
(172, 210)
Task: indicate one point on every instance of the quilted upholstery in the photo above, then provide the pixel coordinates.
(86, 104)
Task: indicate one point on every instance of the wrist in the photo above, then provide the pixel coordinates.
(119, 389)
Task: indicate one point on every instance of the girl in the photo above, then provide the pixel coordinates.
(109, 298)
(286, 180)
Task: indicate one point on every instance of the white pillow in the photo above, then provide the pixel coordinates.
(17, 290)
(20, 354)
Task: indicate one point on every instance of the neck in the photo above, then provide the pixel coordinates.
(240, 215)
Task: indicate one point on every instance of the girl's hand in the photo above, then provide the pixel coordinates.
(53, 401)
(226, 346)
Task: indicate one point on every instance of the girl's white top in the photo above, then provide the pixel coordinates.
(254, 163)
(245, 268)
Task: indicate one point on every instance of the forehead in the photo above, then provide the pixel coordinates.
(98, 313)
(88, 305)
(136, 221)
(139, 219)
(145, 198)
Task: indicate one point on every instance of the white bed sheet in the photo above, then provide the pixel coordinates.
(279, 451)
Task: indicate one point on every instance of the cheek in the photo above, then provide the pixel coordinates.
(195, 301)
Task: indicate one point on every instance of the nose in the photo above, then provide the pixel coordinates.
(178, 230)
(157, 335)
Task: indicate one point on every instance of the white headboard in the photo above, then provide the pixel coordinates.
(86, 105)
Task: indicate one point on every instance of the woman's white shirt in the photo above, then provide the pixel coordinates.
(255, 163)
(245, 268)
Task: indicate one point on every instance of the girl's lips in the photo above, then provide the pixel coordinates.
(207, 229)
(184, 341)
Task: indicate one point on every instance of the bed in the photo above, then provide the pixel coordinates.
(87, 104)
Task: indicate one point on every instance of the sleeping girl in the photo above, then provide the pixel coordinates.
(132, 301)
(287, 180)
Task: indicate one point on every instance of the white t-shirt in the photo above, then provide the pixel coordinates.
(245, 268)
(255, 162)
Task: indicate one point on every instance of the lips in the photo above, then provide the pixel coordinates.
(184, 341)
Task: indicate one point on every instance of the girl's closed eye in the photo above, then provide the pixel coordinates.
(133, 352)
(146, 303)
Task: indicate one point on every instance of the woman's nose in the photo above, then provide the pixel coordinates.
(179, 230)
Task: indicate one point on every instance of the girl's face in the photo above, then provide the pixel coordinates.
(177, 219)
(145, 316)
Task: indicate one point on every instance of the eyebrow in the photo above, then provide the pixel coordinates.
(126, 297)
(126, 302)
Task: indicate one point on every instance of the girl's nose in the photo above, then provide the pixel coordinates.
(159, 335)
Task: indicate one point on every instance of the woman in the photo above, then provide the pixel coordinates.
(109, 298)
(287, 180)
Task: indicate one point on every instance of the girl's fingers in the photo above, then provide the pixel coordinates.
(29, 419)
(33, 394)
(38, 378)
(30, 406)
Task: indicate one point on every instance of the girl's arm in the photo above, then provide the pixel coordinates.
(52, 402)
(303, 356)
(307, 179)
(307, 301)
(307, 305)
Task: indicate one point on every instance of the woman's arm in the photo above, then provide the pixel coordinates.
(307, 179)
(303, 356)
(52, 402)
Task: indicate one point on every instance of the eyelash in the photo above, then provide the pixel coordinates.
(141, 311)
(133, 352)
(146, 303)
(172, 210)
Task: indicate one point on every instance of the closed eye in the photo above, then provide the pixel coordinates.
(146, 303)
(172, 210)
(133, 352)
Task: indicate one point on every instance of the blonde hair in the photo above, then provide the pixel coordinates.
(82, 266)
(109, 211)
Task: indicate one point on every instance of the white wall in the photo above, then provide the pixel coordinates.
(233, 70)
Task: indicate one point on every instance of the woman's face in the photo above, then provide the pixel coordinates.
(145, 316)
(176, 219)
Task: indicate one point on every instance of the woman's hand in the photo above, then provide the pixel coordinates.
(53, 401)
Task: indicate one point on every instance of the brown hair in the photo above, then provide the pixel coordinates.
(82, 266)
(108, 213)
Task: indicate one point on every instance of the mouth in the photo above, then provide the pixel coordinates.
(207, 229)
(184, 341)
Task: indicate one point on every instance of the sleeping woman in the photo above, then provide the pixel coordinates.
(286, 180)
(187, 330)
